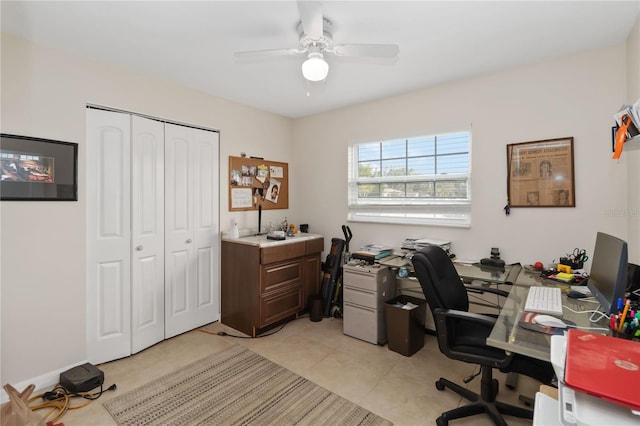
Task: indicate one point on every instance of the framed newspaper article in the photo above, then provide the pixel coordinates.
(540, 173)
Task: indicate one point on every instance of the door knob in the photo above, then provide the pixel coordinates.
(188, 241)
(139, 248)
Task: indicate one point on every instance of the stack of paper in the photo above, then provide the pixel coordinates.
(378, 251)
(418, 243)
(632, 111)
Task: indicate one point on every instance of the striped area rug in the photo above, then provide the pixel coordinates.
(236, 387)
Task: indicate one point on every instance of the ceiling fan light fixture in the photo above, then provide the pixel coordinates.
(315, 68)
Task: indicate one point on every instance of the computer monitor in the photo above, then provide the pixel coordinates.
(608, 276)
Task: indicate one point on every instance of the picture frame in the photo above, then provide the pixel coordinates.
(541, 173)
(37, 169)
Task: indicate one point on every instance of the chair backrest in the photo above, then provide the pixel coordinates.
(440, 282)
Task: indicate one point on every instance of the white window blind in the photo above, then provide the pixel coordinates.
(421, 180)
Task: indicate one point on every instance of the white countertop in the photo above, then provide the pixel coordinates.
(262, 241)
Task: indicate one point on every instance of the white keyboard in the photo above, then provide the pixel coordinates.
(544, 300)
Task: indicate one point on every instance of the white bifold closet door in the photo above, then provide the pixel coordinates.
(152, 232)
(191, 221)
(108, 236)
(147, 233)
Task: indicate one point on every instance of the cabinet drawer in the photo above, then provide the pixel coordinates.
(359, 297)
(315, 246)
(361, 323)
(282, 252)
(362, 280)
(281, 275)
(278, 305)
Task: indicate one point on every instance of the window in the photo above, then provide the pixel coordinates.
(422, 180)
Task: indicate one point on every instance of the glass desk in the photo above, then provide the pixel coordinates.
(474, 271)
(467, 271)
(509, 336)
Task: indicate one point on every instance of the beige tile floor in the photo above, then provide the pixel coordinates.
(398, 388)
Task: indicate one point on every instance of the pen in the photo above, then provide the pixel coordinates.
(624, 314)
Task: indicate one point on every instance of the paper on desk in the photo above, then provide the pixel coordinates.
(466, 261)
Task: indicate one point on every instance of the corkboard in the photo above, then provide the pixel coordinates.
(254, 182)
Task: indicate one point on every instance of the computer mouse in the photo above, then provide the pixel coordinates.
(575, 294)
(549, 321)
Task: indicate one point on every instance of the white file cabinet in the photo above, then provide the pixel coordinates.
(365, 289)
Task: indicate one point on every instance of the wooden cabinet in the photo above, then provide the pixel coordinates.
(264, 282)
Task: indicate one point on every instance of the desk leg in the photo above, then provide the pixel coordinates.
(512, 380)
(512, 383)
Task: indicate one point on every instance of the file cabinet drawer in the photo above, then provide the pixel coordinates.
(361, 323)
(359, 297)
(361, 280)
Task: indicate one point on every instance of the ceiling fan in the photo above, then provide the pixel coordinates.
(315, 40)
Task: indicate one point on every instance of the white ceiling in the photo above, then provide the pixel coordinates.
(192, 43)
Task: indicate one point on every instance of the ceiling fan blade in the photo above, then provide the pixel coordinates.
(268, 53)
(366, 50)
(311, 18)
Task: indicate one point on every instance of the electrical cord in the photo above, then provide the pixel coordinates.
(595, 317)
(59, 400)
(225, 334)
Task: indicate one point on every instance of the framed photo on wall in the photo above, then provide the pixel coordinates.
(36, 169)
(540, 173)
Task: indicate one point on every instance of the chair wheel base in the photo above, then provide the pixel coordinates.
(439, 386)
(441, 421)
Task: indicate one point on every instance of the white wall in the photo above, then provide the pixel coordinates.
(574, 96)
(633, 157)
(44, 93)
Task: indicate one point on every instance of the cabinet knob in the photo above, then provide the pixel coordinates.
(139, 248)
(188, 241)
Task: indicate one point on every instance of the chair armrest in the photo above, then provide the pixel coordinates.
(479, 319)
(456, 340)
(480, 289)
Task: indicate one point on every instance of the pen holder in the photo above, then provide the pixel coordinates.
(570, 263)
(627, 336)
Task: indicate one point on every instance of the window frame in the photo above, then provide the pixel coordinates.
(436, 211)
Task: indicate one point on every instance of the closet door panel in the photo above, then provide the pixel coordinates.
(147, 215)
(108, 236)
(179, 247)
(110, 286)
(180, 275)
(205, 268)
(206, 301)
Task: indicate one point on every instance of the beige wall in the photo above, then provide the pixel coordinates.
(44, 93)
(573, 96)
(633, 157)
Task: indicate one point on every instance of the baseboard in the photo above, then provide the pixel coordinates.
(42, 383)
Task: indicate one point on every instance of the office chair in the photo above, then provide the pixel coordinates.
(462, 336)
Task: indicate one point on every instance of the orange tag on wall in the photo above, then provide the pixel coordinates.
(621, 136)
